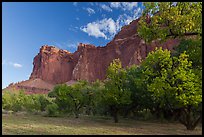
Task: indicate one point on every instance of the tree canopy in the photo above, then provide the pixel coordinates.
(174, 83)
(170, 19)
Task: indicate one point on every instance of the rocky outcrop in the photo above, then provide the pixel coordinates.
(89, 62)
(53, 65)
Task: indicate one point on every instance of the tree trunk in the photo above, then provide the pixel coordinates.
(187, 119)
(116, 117)
(114, 111)
(76, 115)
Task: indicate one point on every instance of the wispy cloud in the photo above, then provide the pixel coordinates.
(90, 11)
(106, 8)
(15, 65)
(71, 46)
(72, 28)
(123, 5)
(75, 3)
(115, 4)
(107, 28)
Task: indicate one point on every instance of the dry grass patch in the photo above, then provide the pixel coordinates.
(39, 125)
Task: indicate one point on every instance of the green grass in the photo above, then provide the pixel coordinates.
(38, 124)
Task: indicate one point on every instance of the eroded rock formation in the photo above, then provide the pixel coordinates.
(89, 62)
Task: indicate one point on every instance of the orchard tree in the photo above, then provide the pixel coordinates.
(76, 97)
(7, 100)
(60, 93)
(115, 96)
(193, 48)
(170, 20)
(174, 84)
(92, 97)
(140, 97)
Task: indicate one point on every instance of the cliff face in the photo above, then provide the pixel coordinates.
(53, 66)
(90, 62)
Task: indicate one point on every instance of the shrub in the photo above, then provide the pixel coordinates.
(7, 101)
(44, 101)
(52, 110)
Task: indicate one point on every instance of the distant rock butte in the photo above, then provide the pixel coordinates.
(55, 66)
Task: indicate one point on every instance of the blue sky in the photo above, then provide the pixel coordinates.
(29, 25)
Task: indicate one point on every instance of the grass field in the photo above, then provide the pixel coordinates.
(38, 124)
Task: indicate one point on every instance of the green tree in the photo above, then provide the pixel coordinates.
(52, 109)
(60, 94)
(115, 95)
(77, 97)
(192, 47)
(140, 97)
(18, 100)
(44, 101)
(170, 19)
(92, 97)
(7, 101)
(174, 84)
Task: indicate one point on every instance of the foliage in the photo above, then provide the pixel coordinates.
(194, 49)
(140, 97)
(7, 101)
(32, 103)
(52, 110)
(115, 95)
(19, 101)
(44, 101)
(70, 98)
(92, 97)
(76, 97)
(172, 81)
(170, 19)
(60, 93)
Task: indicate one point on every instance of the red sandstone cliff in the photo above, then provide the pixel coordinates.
(90, 62)
(53, 65)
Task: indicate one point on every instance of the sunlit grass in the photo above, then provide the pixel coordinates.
(37, 124)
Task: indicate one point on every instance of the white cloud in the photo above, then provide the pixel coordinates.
(108, 27)
(68, 45)
(71, 45)
(125, 19)
(123, 5)
(75, 44)
(75, 3)
(105, 28)
(90, 11)
(115, 4)
(93, 29)
(106, 8)
(129, 5)
(137, 12)
(16, 65)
